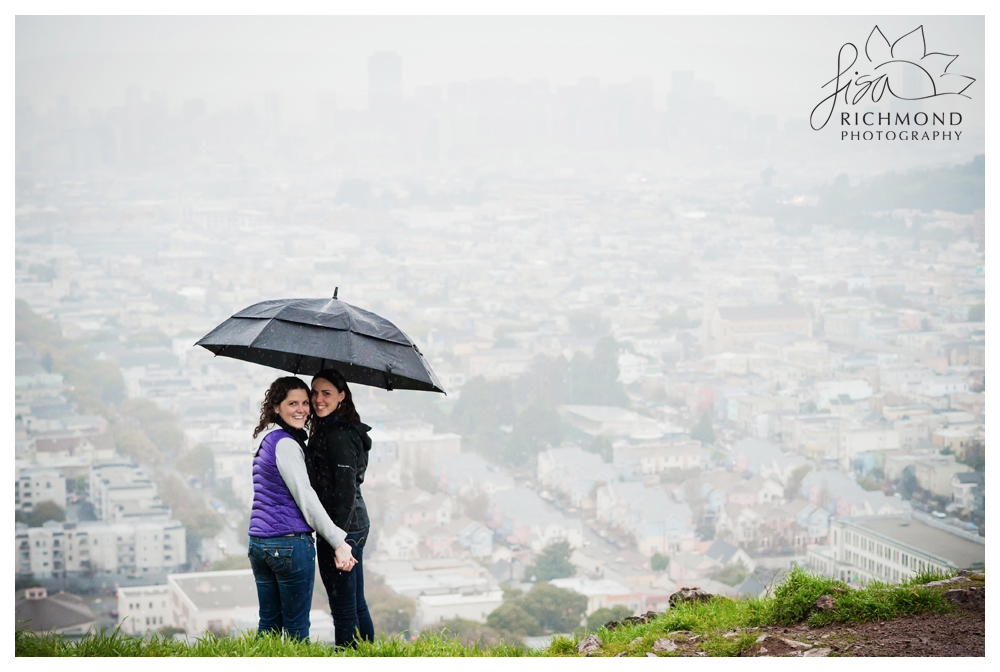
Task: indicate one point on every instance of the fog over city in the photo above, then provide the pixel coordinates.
(699, 318)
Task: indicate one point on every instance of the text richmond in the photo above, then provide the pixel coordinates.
(897, 119)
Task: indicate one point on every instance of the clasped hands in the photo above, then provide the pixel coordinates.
(343, 558)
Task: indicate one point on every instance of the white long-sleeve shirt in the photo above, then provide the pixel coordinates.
(291, 463)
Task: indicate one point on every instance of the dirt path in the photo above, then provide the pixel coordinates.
(960, 633)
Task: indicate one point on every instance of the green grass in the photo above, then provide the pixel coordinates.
(250, 645)
(791, 602)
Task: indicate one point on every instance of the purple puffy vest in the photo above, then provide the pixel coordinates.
(274, 512)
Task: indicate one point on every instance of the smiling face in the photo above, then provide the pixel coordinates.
(295, 408)
(325, 397)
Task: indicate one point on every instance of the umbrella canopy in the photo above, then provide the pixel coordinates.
(308, 335)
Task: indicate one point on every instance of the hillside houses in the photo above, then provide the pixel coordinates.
(657, 523)
(520, 516)
(574, 473)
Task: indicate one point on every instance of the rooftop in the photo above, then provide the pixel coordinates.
(958, 549)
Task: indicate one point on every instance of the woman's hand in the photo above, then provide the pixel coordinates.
(344, 558)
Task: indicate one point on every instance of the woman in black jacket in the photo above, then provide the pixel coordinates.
(336, 460)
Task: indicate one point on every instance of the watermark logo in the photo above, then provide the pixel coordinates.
(903, 70)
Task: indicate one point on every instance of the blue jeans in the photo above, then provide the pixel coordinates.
(284, 569)
(346, 591)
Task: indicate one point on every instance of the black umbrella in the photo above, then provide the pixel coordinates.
(308, 335)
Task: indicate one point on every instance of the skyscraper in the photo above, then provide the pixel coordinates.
(385, 80)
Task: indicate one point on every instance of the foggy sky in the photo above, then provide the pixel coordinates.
(766, 65)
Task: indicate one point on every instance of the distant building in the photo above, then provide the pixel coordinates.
(224, 603)
(573, 472)
(57, 550)
(38, 484)
(602, 593)
(144, 608)
(60, 613)
(414, 444)
(120, 490)
(726, 554)
(729, 328)
(432, 609)
(610, 421)
(934, 473)
(385, 81)
(892, 548)
(212, 601)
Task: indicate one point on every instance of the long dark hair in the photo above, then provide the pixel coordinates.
(276, 394)
(345, 409)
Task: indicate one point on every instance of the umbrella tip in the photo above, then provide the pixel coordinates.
(335, 290)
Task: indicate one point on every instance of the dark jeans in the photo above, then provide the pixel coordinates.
(346, 591)
(284, 569)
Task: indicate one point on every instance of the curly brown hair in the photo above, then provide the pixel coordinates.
(276, 394)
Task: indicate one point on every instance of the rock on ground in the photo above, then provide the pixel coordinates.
(664, 644)
(589, 643)
(690, 595)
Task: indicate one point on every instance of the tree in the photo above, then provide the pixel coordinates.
(552, 563)
(537, 428)
(159, 425)
(547, 381)
(732, 575)
(975, 456)
(703, 430)
(424, 479)
(595, 381)
(483, 407)
(198, 518)
(43, 512)
(604, 615)
(390, 612)
(587, 324)
(196, 462)
(557, 609)
(659, 562)
(133, 442)
(602, 446)
(908, 482)
(475, 506)
(511, 617)
(795, 481)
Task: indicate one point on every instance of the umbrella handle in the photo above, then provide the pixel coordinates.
(388, 380)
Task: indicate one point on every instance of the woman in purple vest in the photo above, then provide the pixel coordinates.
(285, 512)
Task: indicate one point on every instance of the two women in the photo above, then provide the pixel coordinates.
(285, 512)
(299, 488)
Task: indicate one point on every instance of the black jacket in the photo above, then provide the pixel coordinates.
(336, 459)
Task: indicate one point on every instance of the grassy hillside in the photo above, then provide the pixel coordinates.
(718, 627)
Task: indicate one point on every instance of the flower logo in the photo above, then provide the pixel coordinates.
(903, 69)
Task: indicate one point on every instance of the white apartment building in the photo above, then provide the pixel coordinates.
(144, 608)
(38, 484)
(415, 444)
(55, 549)
(864, 439)
(939, 386)
(432, 609)
(119, 489)
(198, 602)
(893, 547)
